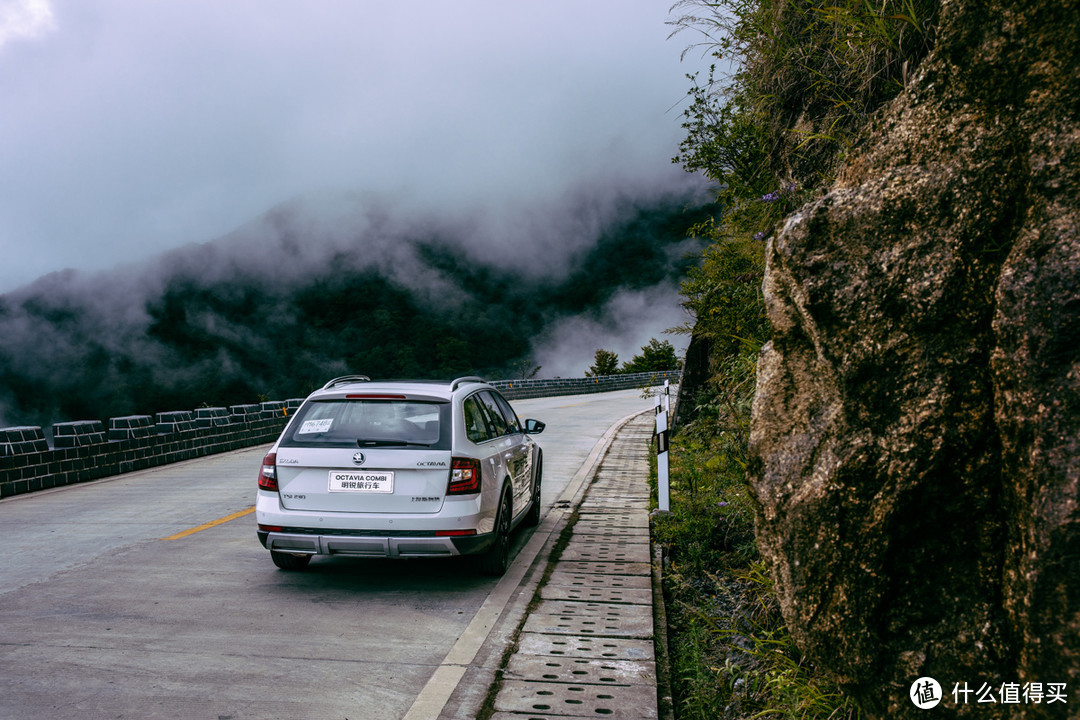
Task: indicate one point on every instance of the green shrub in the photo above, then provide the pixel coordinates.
(801, 80)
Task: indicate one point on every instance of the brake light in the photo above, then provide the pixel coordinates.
(464, 476)
(375, 397)
(268, 474)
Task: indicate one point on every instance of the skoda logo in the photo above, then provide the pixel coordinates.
(358, 458)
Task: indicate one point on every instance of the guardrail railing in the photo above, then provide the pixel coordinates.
(83, 450)
(548, 387)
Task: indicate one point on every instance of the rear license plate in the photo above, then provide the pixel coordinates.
(360, 481)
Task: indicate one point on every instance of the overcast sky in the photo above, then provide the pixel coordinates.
(128, 126)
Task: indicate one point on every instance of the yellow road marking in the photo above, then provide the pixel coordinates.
(212, 523)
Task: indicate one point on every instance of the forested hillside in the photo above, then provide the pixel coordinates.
(304, 294)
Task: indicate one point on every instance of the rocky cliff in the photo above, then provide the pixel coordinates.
(916, 432)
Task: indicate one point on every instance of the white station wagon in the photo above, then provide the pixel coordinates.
(401, 470)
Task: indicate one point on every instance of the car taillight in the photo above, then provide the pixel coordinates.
(268, 474)
(464, 476)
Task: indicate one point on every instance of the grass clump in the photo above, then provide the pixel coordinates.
(730, 652)
(795, 81)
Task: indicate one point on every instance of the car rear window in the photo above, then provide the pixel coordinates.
(371, 423)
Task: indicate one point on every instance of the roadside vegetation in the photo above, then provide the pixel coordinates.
(656, 356)
(731, 654)
(795, 84)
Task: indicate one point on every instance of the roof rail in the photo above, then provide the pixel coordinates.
(346, 379)
(463, 380)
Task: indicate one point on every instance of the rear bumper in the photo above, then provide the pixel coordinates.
(301, 542)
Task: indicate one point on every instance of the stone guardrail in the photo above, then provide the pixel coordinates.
(85, 450)
(549, 387)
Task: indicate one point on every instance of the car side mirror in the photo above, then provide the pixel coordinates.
(534, 427)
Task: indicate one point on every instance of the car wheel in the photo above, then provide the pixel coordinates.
(288, 561)
(533, 518)
(495, 561)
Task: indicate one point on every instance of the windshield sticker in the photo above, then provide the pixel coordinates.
(316, 426)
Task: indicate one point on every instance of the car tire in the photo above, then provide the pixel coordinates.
(288, 561)
(533, 518)
(497, 558)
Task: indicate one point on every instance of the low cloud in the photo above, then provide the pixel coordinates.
(137, 127)
(350, 283)
(25, 20)
(622, 325)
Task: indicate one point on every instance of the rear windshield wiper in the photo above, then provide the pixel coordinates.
(390, 443)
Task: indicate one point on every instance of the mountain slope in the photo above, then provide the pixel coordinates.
(318, 288)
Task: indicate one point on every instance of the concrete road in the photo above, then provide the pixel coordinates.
(148, 596)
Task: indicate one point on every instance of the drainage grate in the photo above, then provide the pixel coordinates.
(617, 493)
(582, 671)
(575, 608)
(585, 579)
(595, 530)
(605, 552)
(612, 481)
(612, 484)
(590, 509)
(613, 492)
(607, 568)
(628, 701)
(586, 650)
(624, 519)
(571, 646)
(604, 595)
(640, 626)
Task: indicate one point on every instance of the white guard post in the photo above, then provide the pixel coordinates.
(663, 487)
